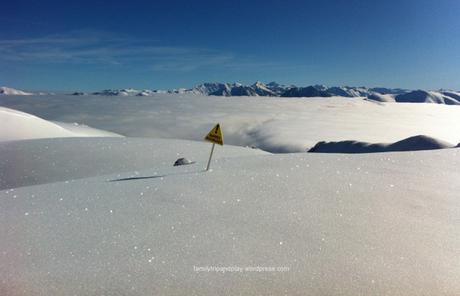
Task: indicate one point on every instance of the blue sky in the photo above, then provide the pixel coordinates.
(92, 45)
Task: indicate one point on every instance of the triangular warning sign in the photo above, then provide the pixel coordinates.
(215, 135)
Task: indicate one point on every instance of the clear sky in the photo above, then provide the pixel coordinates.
(92, 45)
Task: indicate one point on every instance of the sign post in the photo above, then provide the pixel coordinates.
(210, 156)
(215, 136)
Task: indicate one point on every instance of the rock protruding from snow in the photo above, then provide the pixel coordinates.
(420, 142)
(183, 161)
(13, 92)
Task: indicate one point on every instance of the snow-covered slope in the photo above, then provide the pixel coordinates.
(17, 125)
(375, 224)
(30, 162)
(13, 92)
(264, 90)
(414, 143)
(453, 94)
(381, 97)
(421, 96)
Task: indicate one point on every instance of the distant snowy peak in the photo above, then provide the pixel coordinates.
(262, 89)
(278, 88)
(13, 92)
(232, 89)
(213, 89)
(118, 92)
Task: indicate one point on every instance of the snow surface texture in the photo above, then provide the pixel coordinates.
(373, 224)
(269, 123)
(30, 162)
(410, 144)
(16, 125)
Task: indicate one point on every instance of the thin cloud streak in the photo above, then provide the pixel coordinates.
(98, 48)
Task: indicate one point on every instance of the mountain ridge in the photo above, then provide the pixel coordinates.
(274, 89)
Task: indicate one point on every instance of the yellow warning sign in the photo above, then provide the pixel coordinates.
(215, 135)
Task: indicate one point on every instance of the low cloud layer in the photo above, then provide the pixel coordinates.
(272, 124)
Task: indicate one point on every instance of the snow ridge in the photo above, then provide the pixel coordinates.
(13, 92)
(420, 142)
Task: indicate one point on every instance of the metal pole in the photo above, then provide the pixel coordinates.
(210, 156)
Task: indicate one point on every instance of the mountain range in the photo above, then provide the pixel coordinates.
(273, 89)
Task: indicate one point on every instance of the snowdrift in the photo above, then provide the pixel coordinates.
(335, 224)
(17, 125)
(415, 143)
